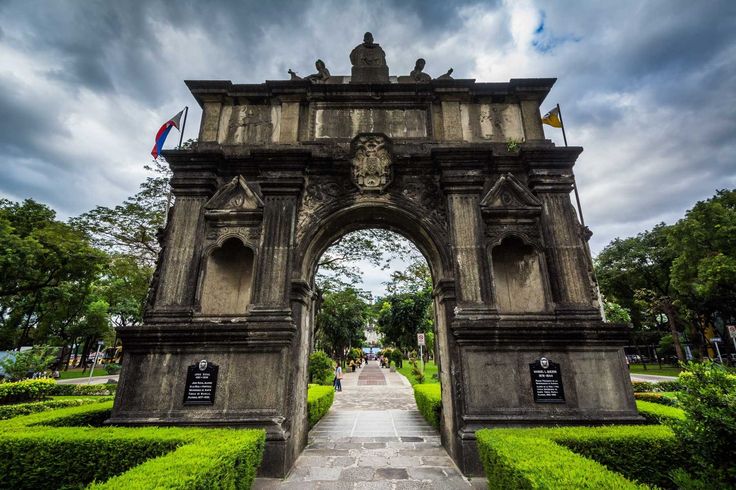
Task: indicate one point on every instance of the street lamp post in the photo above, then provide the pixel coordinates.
(92, 369)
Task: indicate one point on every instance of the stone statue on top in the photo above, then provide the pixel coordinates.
(369, 62)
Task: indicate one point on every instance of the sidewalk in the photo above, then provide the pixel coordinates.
(96, 380)
(373, 437)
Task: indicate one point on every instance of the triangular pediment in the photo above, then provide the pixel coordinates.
(236, 195)
(510, 194)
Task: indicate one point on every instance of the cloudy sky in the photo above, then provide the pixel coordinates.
(647, 88)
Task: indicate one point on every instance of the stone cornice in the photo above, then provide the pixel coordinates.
(295, 90)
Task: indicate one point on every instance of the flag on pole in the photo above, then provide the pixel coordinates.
(163, 132)
(552, 118)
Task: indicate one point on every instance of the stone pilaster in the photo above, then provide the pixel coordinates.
(567, 259)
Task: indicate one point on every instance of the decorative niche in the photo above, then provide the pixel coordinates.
(518, 277)
(228, 279)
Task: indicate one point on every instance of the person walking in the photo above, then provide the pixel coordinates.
(338, 378)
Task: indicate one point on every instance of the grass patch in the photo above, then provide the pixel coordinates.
(430, 369)
(76, 373)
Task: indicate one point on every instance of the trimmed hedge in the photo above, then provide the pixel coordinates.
(520, 459)
(429, 402)
(644, 454)
(10, 411)
(83, 390)
(228, 459)
(319, 401)
(659, 414)
(25, 391)
(41, 457)
(669, 399)
(86, 415)
(647, 387)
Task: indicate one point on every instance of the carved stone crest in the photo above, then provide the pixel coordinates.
(372, 162)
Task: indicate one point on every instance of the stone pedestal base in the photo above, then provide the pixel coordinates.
(364, 74)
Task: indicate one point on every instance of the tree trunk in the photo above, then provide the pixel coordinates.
(669, 310)
(85, 353)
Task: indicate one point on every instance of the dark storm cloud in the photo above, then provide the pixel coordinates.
(645, 87)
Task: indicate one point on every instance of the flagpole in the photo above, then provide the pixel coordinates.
(562, 124)
(184, 125)
(574, 183)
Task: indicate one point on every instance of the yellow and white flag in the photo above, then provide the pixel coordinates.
(552, 118)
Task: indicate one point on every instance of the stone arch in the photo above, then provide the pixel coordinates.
(227, 278)
(519, 278)
(400, 219)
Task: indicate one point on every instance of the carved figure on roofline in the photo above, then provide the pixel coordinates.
(368, 53)
(446, 76)
(418, 74)
(322, 75)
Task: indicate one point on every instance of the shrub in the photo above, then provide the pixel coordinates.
(416, 372)
(83, 390)
(429, 402)
(21, 364)
(319, 401)
(661, 398)
(708, 430)
(320, 368)
(397, 358)
(645, 454)
(112, 368)
(646, 387)
(519, 459)
(228, 459)
(659, 414)
(10, 411)
(25, 391)
(43, 457)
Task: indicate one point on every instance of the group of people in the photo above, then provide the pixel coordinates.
(352, 365)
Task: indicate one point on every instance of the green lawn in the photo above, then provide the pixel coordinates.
(77, 373)
(430, 369)
(654, 369)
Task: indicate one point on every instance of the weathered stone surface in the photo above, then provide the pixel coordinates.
(235, 283)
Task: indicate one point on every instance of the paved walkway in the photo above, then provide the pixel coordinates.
(96, 380)
(373, 437)
(652, 378)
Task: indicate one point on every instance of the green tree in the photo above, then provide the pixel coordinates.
(46, 269)
(402, 315)
(124, 285)
(635, 273)
(704, 268)
(131, 228)
(338, 267)
(340, 321)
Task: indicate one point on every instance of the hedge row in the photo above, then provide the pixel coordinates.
(646, 387)
(25, 391)
(319, 401)
(519, 459)
(225, 459)
(429, 402)
(37, 389)
(86, 415)
(645, 454)
(41, 457)
(659, 414)
(669, 399)
(84, 390)
(10, 411)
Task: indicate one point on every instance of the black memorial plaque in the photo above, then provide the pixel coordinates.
(201, 384)
(546, 381)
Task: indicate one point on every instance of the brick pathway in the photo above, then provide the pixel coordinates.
(373, 438)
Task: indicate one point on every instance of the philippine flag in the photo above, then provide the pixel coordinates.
(164, 132)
